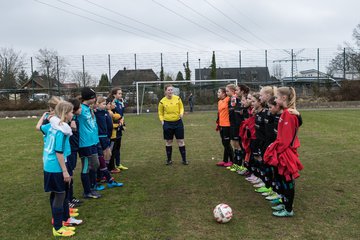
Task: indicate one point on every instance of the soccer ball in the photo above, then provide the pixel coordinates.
(222, 213)
(147, 110)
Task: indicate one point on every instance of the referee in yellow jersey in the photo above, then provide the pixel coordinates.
(171, 111)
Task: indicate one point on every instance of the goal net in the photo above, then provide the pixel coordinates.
(204, 94)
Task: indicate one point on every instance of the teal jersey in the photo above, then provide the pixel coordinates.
(88, 130)
(44, 129)
(55, 142)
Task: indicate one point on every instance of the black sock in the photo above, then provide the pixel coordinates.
(183, 153)
(168, 153)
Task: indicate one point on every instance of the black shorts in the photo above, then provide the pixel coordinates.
(88, 151)
(173, 128)
(225, 133)
(54, 182)
(99, 150)
(234, 133)
(104, 142)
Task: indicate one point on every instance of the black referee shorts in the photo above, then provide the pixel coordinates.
(173, 128)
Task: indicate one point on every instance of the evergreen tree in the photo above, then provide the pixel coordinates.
(179, 76)
(213, 66)
(22, 78)
(104, 83)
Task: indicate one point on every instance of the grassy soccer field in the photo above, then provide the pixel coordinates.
(176, 202)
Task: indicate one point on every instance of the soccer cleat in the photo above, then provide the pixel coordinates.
(115, 171)
(99, 187)
(228, 164)
(63, 232)
(278, 207)
(122, 167)
(259, 185)
(185, 162)
(90, 196)
(73, 222)
(283, 213)
(263, 190)
(68, 228)
(256, 181)
(220, 164)
(276, 201)
(74, 210)
(75, 200)
(265, 194)
(114, 184)
(74, 214)
(168, 162)
(272, 197)
(251, 178)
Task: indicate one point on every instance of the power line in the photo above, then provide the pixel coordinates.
(215, 23)
(195, 23)
(123, 24)
(142, 23)
(222, 13)
(96, 21)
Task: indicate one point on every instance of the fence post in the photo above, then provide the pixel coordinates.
(83, 66)
(266, 62)
(110, 80)
(344, 64)
(318, 68)
(239, 66)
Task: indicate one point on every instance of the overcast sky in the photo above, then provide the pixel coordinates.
(175, 25)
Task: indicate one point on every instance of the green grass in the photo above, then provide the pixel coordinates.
(176, 202)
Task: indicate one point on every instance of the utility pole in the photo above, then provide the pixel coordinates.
(48, 77)
(109, 70)
(32, 77)
(58, 74)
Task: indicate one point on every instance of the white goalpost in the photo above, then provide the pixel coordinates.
(192, 83)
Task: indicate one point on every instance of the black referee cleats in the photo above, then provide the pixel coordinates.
(185, 162)
(168, 162)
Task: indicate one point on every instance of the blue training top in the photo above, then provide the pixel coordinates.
(55, 142)
(102, 123)
(88, 131)
(119, 107)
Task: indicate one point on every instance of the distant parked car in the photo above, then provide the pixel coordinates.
(42, 97)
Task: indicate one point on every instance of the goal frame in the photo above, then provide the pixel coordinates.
(175, 82)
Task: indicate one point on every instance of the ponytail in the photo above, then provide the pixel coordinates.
(290, 94)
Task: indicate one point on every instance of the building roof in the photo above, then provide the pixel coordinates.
(41, 82)
(129, 77)
(244, 74)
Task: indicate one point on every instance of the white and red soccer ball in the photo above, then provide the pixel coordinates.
(223, 213)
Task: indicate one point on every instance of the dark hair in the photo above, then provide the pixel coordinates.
(272, 101)
(75, 102)
(109, 99)
(222, 89)
(167, 86)
(244, 88)
(114, 91)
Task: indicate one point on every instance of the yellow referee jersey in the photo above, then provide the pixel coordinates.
(170, 109)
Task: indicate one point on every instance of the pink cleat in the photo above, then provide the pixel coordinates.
(220, 164)
(228, 164)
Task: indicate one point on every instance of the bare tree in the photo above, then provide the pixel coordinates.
(11, 64)
(348, 61)
(48, 58)
(278, 71)
(83, 79)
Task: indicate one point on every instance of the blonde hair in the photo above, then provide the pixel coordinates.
(270, 90)
(100, 99)
(63, 108)
(290, 94)
(53, 101)
(231, 87)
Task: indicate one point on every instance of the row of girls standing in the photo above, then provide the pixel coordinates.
(70, 128)
(266, 150)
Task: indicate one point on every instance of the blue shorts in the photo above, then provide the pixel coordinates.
(104, 142)
(54, 182)
(173, 128)
(88, 151)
